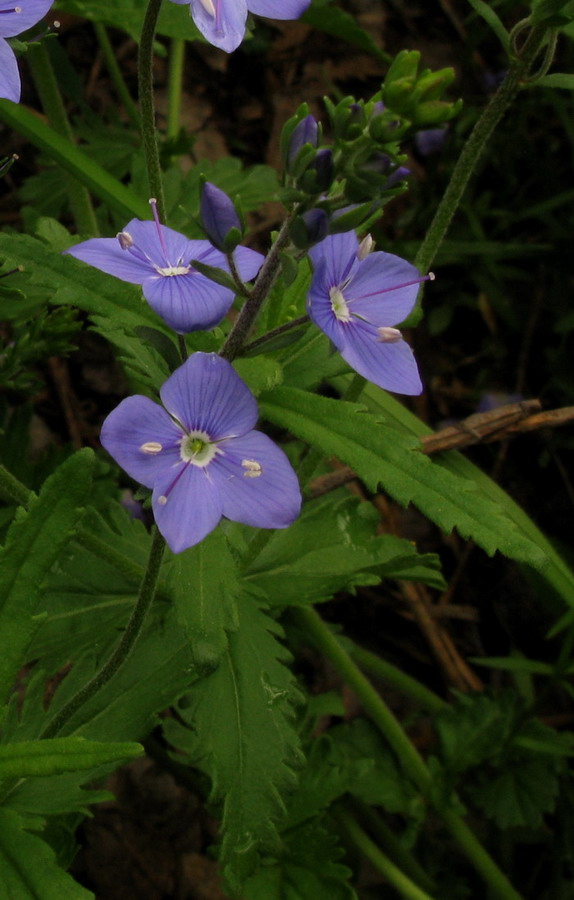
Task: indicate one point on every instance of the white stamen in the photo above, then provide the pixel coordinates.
(208, 7)
(366, 246)
(173, 270)
(389, 335)
(431, 276)
(252, 467)
(339, 305)
(125, 239)
(151, 447)
(162, 500)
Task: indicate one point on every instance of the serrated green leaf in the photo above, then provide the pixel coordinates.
(35, 540)
(308, 868)
(475, 729)
(383, 455)
(333, 547)
(520, 795)
(58, 755)
(204, 586)
(28, 869)
(241, 735)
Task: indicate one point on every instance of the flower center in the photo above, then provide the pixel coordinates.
(173, 270)
(198, 449)
(339, 305)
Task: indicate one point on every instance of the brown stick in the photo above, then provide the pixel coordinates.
(481, 428)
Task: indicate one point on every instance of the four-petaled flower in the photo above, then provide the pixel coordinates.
(160, 259)
(356, 297)
(222, 22)
(200, 454)
(14, 19)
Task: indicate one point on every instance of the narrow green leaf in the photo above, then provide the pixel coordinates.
(112, 192)
(491, 18)
(383, 455)
(241, 735)
(28, 869)
(513, 664)
(53, 757)
(204, 587)
(329, 18)
(34, 542)
(556, 80)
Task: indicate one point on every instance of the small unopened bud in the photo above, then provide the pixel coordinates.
(125, 240)
(365, 247)
(389, 335)
(305, 132)
(219, 218)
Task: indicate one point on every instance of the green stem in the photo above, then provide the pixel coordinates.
(265, 280)
(390, 843)
(116, 74)
(147, 108)
(125, 646)
(390, 674)
(468, 159)
(274, 333)
(401, 882)
(174, 86)
(411, 761)
(53, 105)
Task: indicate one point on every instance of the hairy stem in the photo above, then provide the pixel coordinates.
(265, 280)
(147, 107)
(468, 159)
(125, 646)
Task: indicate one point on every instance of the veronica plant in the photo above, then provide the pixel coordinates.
(14, 19)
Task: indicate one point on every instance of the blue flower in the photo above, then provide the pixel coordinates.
(356, 298)
(14, 19)
(222, 22)
(200, 455)
(219, 218)
(160, 259)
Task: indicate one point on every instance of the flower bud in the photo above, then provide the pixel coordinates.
(219, 218)
(309, 228)
(306, 132)
(319, 174)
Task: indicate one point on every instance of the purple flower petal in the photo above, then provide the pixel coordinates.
(9, 74)
(257, 484)
(30, 12)
(391, 366)
(206, 394)
(186, 505)
(338, 251)
(377, 292)
(107, 255)
(278, 9)
(224, 26)
(188, 302)
(142, 438)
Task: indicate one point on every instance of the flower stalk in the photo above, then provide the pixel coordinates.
(124, 648)
(147, 105)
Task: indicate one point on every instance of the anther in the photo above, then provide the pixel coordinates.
(151, 447)
(388, 335)
(252, 467)
(162, 500)
(208, 7)
(365, 247)
(125, 239)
